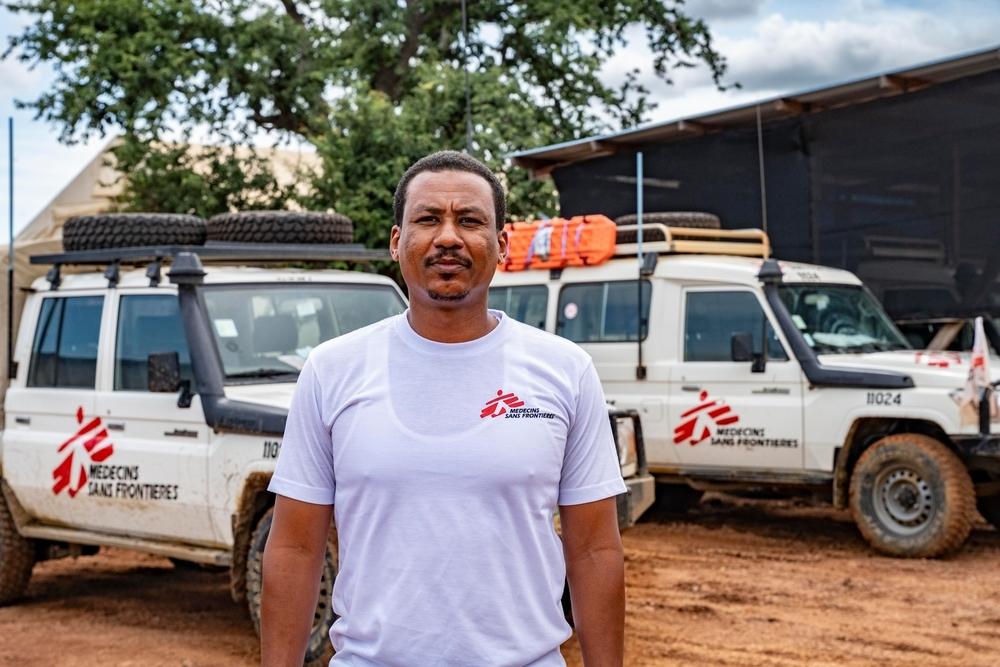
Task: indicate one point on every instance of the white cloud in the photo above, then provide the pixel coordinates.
(777, 54)
(790, 54)
(16, 78)
(723, 9)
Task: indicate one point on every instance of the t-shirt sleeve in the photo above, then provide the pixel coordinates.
(305, 464)
(590, 469)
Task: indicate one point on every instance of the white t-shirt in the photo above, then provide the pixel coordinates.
(445, 464)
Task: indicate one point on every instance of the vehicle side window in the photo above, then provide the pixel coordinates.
(64, 352)
(148, 323)
(602, 312)
(527, 303)
(711, 319)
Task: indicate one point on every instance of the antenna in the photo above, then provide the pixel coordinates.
(465, 69)
(760, 167)
(640, 369)
(759, 367)
(10, 250)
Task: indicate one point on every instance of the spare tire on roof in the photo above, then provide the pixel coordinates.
(124, 230)
(690, 219)
(281, 227)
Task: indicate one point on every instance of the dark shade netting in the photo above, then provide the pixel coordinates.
(904, 191)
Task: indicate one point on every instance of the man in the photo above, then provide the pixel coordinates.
(443, 439)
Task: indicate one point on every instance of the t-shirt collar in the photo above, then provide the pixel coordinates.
(477, 346)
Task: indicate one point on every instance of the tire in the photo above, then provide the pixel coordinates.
(911, 496)
(689, 219)
(124, 230)
(191, 566)
(17, 557)
(567, 606)
(281, 227)
(989, 507)
(319, 651)
(671, 500)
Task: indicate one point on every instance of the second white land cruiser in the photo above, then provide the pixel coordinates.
(149, 396)
(835, 401)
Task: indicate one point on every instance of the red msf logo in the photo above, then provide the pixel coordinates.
(938, 359)
(89, 443)
(699, 422)
(499, 405)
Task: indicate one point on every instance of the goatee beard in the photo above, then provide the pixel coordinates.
(438, 296)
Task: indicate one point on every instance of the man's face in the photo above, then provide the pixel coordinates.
(448, 244)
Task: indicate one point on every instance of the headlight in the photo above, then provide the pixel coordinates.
(626, 442)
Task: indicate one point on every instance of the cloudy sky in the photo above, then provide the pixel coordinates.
(773, 47)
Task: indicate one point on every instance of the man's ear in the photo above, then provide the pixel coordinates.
(502, 240)
(394, 243)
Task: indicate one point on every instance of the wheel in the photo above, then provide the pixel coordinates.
(689, 219)
(181, 564)
(989, 507)
(911, 496)
(124, 230)
(319, 650)
(567, 606)
(671, 499)
(281, 227)
(17, 557)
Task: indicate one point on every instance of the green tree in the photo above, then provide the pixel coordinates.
(372, 84)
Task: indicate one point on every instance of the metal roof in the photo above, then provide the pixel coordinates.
(546, 158)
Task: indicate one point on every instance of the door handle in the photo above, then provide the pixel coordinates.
(690, 387)
(182, 432)
(22, 420)
(114, 427)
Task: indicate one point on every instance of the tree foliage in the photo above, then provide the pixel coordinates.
(372, 84)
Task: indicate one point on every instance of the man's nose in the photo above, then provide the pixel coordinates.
(448, 234)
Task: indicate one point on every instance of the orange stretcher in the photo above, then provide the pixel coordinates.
(583, 240)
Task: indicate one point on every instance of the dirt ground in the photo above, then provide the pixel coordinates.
(735, 583)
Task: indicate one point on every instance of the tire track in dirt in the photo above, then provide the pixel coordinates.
(734, 583)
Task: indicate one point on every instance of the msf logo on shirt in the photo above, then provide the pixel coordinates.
(699, 422)
(89, 444)
(499, 405)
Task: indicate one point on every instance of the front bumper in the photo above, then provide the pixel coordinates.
(638, 499)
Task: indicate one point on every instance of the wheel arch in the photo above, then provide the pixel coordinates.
(255, 500)
(866, 431)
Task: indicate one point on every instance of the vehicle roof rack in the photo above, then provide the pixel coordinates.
(219, 252)
(665, 240)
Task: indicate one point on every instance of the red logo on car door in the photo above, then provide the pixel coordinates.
(699, 422)
(89, 444)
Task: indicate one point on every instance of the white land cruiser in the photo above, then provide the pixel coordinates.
(147, 405)
(836, 401)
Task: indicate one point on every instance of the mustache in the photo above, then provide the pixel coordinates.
(453, 256)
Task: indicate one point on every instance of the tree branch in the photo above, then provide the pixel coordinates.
(389, 78)
(293, 11)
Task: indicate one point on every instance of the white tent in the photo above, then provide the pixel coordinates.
(90, 192)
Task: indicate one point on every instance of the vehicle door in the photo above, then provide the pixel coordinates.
(53, 434)
(723, 413)
(604, 319)
(155, 483)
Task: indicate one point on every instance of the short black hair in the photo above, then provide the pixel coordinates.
(450, 161)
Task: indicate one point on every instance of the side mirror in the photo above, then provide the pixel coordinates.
(741, 349)
(164, 376)
(741, 346)
(164, 372)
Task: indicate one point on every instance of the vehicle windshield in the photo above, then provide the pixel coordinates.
(841, 319)
(267, 331)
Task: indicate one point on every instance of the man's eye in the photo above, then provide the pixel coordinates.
(471, 221)
(427, 218)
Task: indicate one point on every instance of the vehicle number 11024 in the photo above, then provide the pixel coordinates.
(884, 398)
